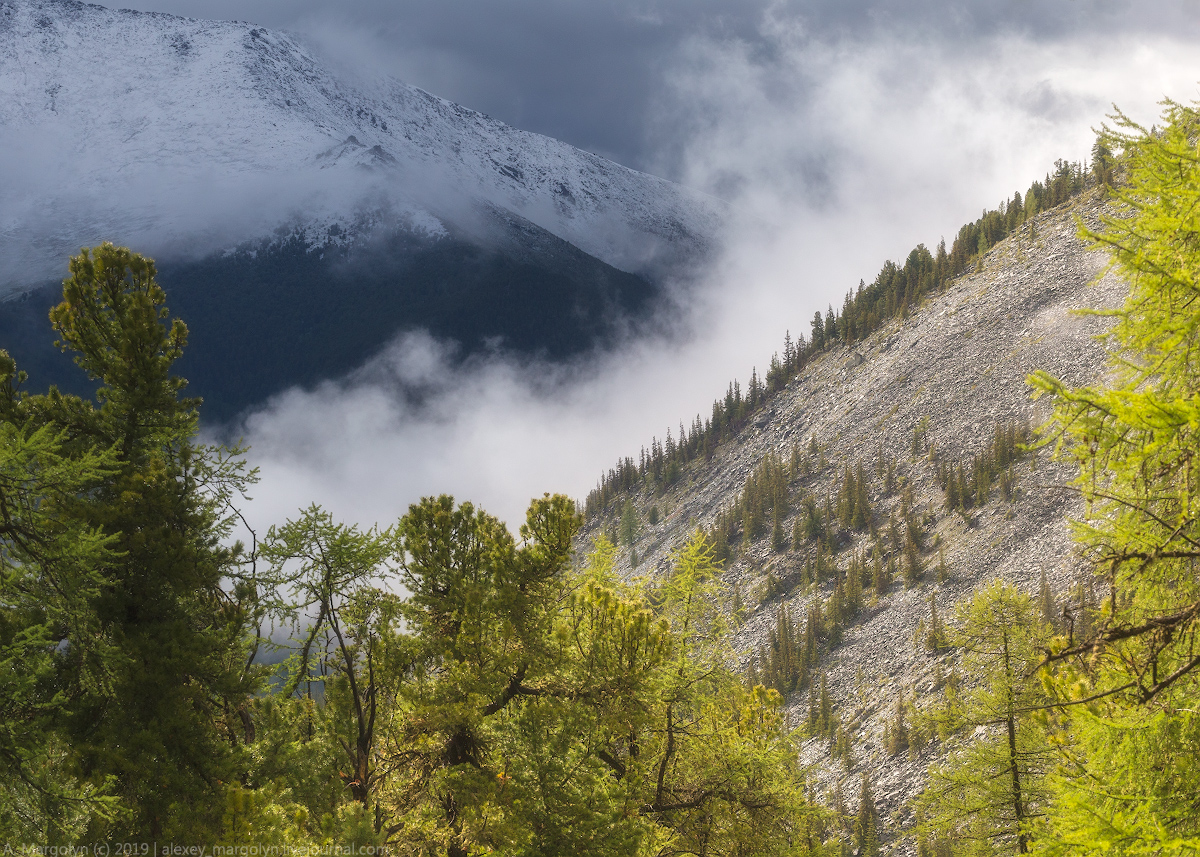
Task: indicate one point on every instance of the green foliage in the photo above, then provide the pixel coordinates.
(936, 639)
(866, 823)
(790, 651)
(1128, 775)
(853, 505)
(895, 734)
(324, 574)
(52, 568)
(992, 792)
(117, 528)
(969, 484)
(764, 493)
(450, 689)
(629, 525)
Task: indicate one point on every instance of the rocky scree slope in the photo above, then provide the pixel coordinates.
(925, 390)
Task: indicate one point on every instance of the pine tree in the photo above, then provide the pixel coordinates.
(629, 524)
(826, 705)
(846, 498)
(778, 541)
(896, 732)
(936, 639)
(913, 572)
(861, 515)
(879, 576)
(153, 718)
(1046, 601)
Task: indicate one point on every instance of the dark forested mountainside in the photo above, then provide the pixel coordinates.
(298, 316)
(300, 218)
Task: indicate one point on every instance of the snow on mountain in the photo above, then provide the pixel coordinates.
(191, 134)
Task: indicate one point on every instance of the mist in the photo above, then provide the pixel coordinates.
(835, 153)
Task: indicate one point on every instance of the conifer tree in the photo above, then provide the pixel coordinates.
(994, 791)
(629, 523)
(826, 705)
(896, 731)
(1134, 440)
(879, 576)
(1046, 601)
(936, 639)
(153, 716)
(912, 559)
(866, 824)
(328, 574)
(861, 515)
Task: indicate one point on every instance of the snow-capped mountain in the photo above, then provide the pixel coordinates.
(208, 143)
(134, 105)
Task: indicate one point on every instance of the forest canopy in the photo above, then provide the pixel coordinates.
(442, 686)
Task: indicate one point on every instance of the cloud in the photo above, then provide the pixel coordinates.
(837, 152)
(590, 73)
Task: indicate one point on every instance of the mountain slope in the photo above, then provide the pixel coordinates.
(201, 141)
(188, 100)
(948, 374)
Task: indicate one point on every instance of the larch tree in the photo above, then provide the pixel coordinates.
(988, 796)
(1130, 736)
(160, 658)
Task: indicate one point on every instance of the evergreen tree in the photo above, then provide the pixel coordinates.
(52, 570)
(1046, 601)
(866, 824)
(896, 731)
(913, 571)
(154, 713)
(879, 576)
(994, 791)
(1130, 775)
(861, 515)
(936, 640)
(629, 523)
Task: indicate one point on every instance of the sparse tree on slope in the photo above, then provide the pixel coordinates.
(991, 793)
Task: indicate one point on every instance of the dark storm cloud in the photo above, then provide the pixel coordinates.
(591, 73)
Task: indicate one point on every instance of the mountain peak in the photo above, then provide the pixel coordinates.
(134, 112)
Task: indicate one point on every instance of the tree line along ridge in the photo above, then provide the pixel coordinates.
(896, 290)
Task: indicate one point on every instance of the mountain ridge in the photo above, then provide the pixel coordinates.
(201, 100)
(259, 180)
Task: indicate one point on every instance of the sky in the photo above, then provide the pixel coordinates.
(841, 132)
